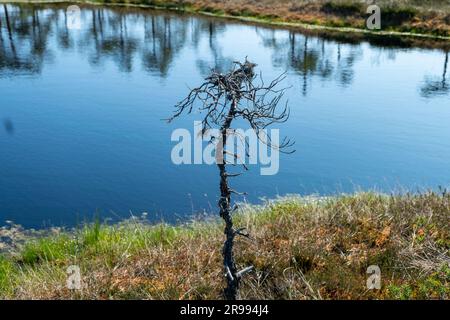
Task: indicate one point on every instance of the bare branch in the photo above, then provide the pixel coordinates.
(221, 99)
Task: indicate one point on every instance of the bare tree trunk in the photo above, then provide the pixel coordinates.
(229, 264)
(222, 107)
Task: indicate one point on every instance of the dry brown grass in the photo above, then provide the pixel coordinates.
(301, 249)
(432, 16)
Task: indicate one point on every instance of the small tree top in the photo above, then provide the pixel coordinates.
(237, 94)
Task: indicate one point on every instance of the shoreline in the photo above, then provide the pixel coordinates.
(395, 38)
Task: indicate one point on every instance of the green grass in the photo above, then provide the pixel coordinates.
(302, 248)
(6, 273)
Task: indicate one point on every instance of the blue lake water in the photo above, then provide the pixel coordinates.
(81, 129)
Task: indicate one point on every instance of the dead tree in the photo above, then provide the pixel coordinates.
(223, 98)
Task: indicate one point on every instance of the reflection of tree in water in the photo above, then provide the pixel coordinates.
(108, 37)
(311, 57)
(345, 71)
(303, 59)
(435, 86)
(23, 39)
(128, 36)
(164, 38)
(219, 63)
(380, 54)
(63, 37)
(111, 34)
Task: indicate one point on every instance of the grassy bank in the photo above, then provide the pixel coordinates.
(301, 249)
(422, 17)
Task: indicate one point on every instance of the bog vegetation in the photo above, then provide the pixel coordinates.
(416, 16)
(301, 248)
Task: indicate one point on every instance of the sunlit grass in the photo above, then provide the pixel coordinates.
(302, 248)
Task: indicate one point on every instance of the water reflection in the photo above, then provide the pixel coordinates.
(435, 86)
(311, 56)
(132, 36)
(23, 39)
(85, 108)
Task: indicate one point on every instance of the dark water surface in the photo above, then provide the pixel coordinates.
(80, 113)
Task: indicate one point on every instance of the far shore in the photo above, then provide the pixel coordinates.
(332, 25)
